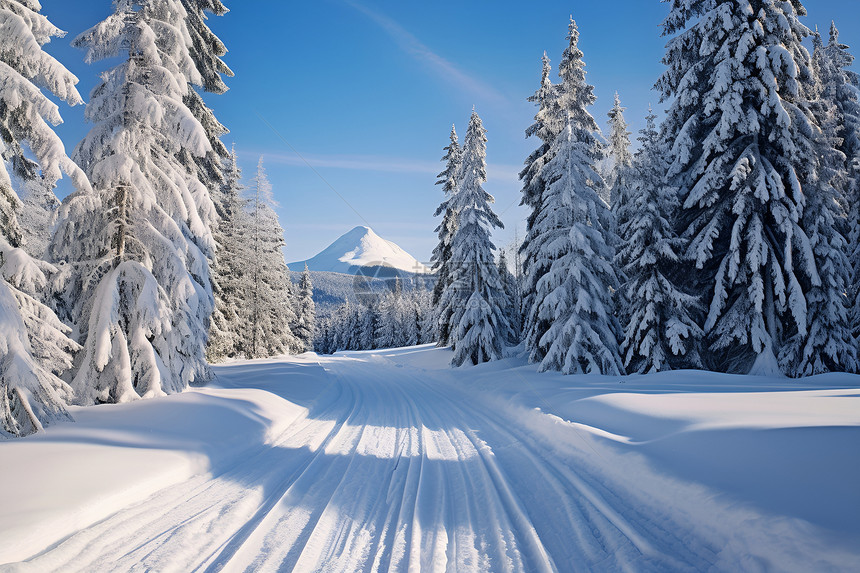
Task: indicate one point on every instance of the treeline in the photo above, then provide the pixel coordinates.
(385, 318)
(730, 240)
(159, 257)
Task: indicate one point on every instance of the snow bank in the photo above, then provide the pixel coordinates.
(75, 474)
(782, 447)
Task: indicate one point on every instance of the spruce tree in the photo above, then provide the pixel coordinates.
(386, 335)
(616, 170)
(570, 324)
(575, 294)
(230, 275)
(478, 323)
(660, 331)
(739, 136)
(828, 344)
(34, 344)
(841, 86)
(206, 50)
(511, 300)
(271, 301)
(546, 128)
(138, 286)
(306, 323)
(618, 156)
(441, 257)
(367, 326)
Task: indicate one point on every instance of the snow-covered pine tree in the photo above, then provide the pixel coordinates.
(736, 128)
(346, 320)
(546, 128)
(661, 330)
(424, 302)
(407, 317)
(828, 344)
(206, 50)
(230, 276)
(479, 325)
(34, 344)
(306, 313)
(575, 294)
(616, 165)
(137, 284)
(570, 238)
(441, 257)
(367, 326)
(510, 301)
(385, 335)
(841, 86)
(323, 340)
(397, 310)
(271, 301)
(615, 168)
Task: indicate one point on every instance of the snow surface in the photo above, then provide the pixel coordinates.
(388, 460)
(358, 248)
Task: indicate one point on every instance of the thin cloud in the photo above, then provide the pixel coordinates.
(380, 164)
(436, 63)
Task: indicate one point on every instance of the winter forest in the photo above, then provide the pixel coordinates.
(633, 344)
(727, 239)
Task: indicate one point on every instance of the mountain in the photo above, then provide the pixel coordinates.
(361, 251)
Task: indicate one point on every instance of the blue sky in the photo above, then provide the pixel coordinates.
(351, 101)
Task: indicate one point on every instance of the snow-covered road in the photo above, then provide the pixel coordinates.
(377, 463)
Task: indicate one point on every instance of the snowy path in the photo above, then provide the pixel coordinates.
(395, 468)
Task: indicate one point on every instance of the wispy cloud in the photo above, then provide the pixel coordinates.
(379, 164)
(446, 70)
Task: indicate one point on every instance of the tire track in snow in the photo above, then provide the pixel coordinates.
(174, 528)
(604, 522)
(386, 471)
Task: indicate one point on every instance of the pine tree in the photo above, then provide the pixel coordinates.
(427, 317)
(510, 300)
(570, 324)
(385, 335)
(441, 257)
(618, 156)
(230, 276)
(206, 51)
(616, 170)
(546, 128)
(306, 323)
(661, 331)
(574, 295)
(367, 326)
(479, 326)
(841, 87)
(138, 286)
(738, 137)
(271, 301)
(828, 344)
(34, 344)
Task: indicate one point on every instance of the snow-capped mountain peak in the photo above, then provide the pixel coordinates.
(361, 248)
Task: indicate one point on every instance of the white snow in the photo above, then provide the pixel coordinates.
(361, 247)
(384, 460)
